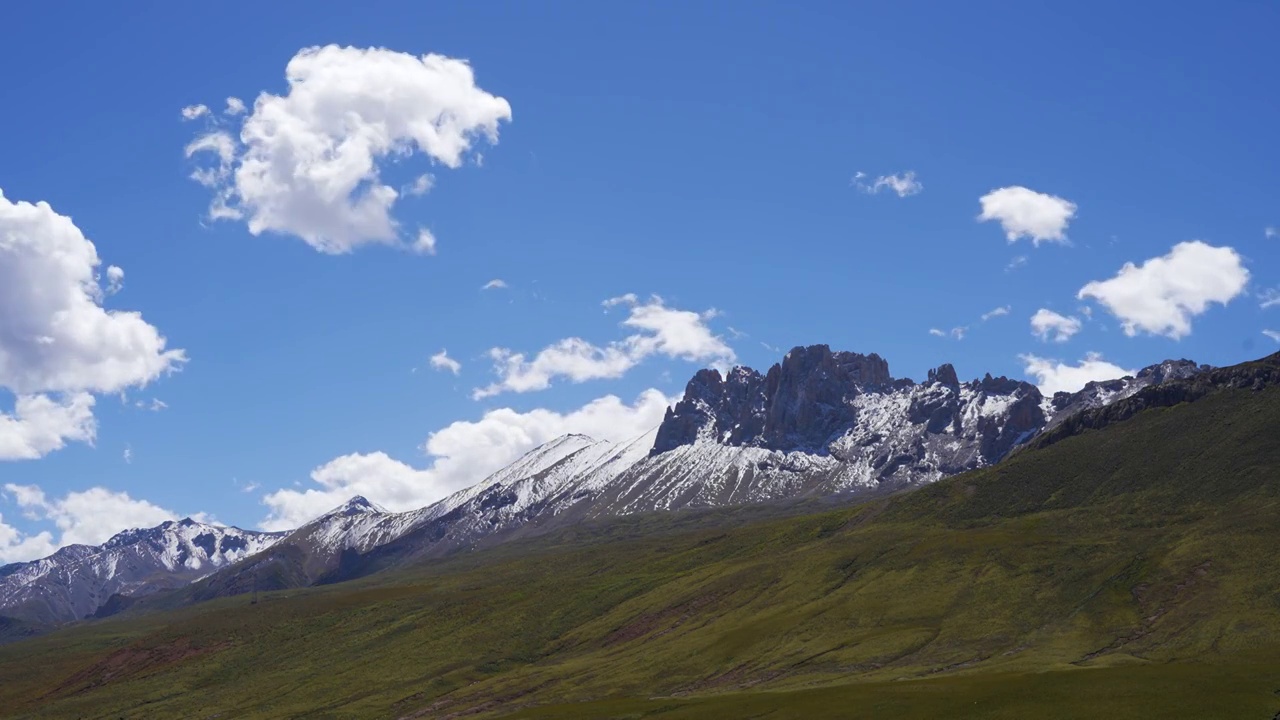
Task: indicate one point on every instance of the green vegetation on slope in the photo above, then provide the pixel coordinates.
(1128, 572)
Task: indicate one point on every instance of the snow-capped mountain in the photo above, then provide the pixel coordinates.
(77, 580)
(819, 423)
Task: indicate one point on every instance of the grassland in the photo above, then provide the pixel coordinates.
(1129, 572)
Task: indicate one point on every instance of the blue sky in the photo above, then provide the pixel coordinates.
(705, 153)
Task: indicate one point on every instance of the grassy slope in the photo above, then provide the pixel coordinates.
(1127, 573)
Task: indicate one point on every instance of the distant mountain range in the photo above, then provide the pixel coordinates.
(817, 424)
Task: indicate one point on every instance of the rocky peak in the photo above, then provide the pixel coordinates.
(945, 374)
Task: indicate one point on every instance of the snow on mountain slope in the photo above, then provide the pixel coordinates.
(76, 580)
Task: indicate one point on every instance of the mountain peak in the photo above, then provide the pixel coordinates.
(357, 505)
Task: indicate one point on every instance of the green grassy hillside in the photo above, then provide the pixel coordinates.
(1125, 572)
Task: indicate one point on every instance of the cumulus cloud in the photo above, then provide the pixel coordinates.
(306, 163)
(1162, 295)
(1054, 376)
(494, 284)
(235, 106)
(660, 330)
(58, 345)
(442, 361)
(1046, 323)
(461, 454)
(87, 517)
(191, 112)
(997, 312)
(1023, 212)
(902, 184)
(115, 279)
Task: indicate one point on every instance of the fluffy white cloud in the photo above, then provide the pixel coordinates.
(87, 517)
(661, 330)
(1047, 322)
(306, 163)
(191, 112)
(1162, 295)
(494, 284)
(1273, 334)
(442, 361)
(1023, 212)
(1054, 376)
(39, 425)
(997, 312)
(903, 184)
(115, 279)
(462, 454)
(235, 106)
(57, 343)
(937, 332)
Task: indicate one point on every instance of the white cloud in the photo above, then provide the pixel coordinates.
(1162, 295)
(662, 330)
(426, 242)
(128, 454)
(40, 424)
(87, 517)
(1053, 376)
(442, 361)
(235, 106)
(462, 454)
(57, 343)
(1269, 298)
(1026, 213)
(115, 279)
(1271, 232)
(959, 332)
(1047, 322)
(1016, 263)
(903, 184)
(937, 333)
(422, 184)
(495, 284)
(997, 312)
(191, 112)
(1273, 334)
(307, 163)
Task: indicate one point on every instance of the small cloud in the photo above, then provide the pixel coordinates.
(442, 361)
(1271, 232)
(235, 106)
(735, 333)
(1047, 322)
(250, 487)
(996, 312)
(769, 347)
(495, 284)
(154, 404)
(936, 332)
(628, 299)
(1273, 334)
(1016, 263)
(115, 279)
(1023, 212)
(191, 112)
(426, 242)
(1269, 298)
(959, 332)
(128, 454)
(903, 184)
(422, 185)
